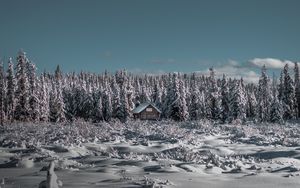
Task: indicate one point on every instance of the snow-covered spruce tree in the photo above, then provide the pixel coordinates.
(87, 105)
(276, 106)
(115, 99)
(2, 94)
(177, 109)
(22, 89)
(251, 102)
(57, 105)
(72, 101)
(213, 100)
(264, 97)
(297, 90)
(281, 86)
(195, 109)
(34, 108)
(10, 92)
(124, 113)
(167, 98)
(52, 103)
(130, 95)
(106, 102)
(137, 92)
(183, 97)
(225, 112)
(276, 111)
(238, 101)
(97, 108)
(44, 99)
(157, 94)
(288, 94)
(144, 95)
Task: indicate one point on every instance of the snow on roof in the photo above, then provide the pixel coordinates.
(143, 106)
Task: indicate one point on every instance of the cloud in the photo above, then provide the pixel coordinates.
(234, 69)
(270, 63)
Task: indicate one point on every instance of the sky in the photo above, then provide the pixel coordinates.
(156, 36)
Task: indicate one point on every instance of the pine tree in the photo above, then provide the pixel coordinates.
(281, 87)
(183, 103)
(251, 103)
(264, 98)
(10, 94)
(106, 103)
(213, 100)
(195, 110)
(288, 94)
(144, 96)
(276, 107)
(22, 89)
(157, 95)
(44, 99)
(238, 101)
(224, 100)
(115, 99)
(297, 90)
(98, 108)
(2, 94)
(130, 95)
(124, 107)
(34, 111)
(57, 105)
(177, 109)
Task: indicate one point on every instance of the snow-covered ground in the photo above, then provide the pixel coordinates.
(151, 154)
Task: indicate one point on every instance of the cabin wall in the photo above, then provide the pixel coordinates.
(149, 113)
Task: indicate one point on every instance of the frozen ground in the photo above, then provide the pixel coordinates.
(151, 154)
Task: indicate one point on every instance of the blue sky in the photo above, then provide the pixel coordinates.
(151, 36)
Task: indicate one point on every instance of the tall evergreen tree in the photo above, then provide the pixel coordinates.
(116, 105)
(22, 89)
(276, 106)
(57, 105)
(34, 111)
(157, 95)
(288, 94)
(177, 109)
(264, 98)
(251, 103)
(44, 99)
(130, 95)
(2, 94)
(124, 113)
(106, 103)
(224, 100)
(195, 109)
(297, 90)
(98, 108)
(238, 101)
(10, 94)
(214, 102)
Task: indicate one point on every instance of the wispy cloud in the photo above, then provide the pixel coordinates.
(270, 63)
(234, 69)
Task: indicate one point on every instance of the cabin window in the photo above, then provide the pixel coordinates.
(148, 109)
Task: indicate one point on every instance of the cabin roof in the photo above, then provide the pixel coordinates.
(143, 106)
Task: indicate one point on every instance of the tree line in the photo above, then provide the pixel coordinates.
(58, 97)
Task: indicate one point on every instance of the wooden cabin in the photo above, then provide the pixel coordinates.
(146, 111)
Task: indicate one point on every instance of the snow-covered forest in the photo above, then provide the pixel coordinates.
(60, 97)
